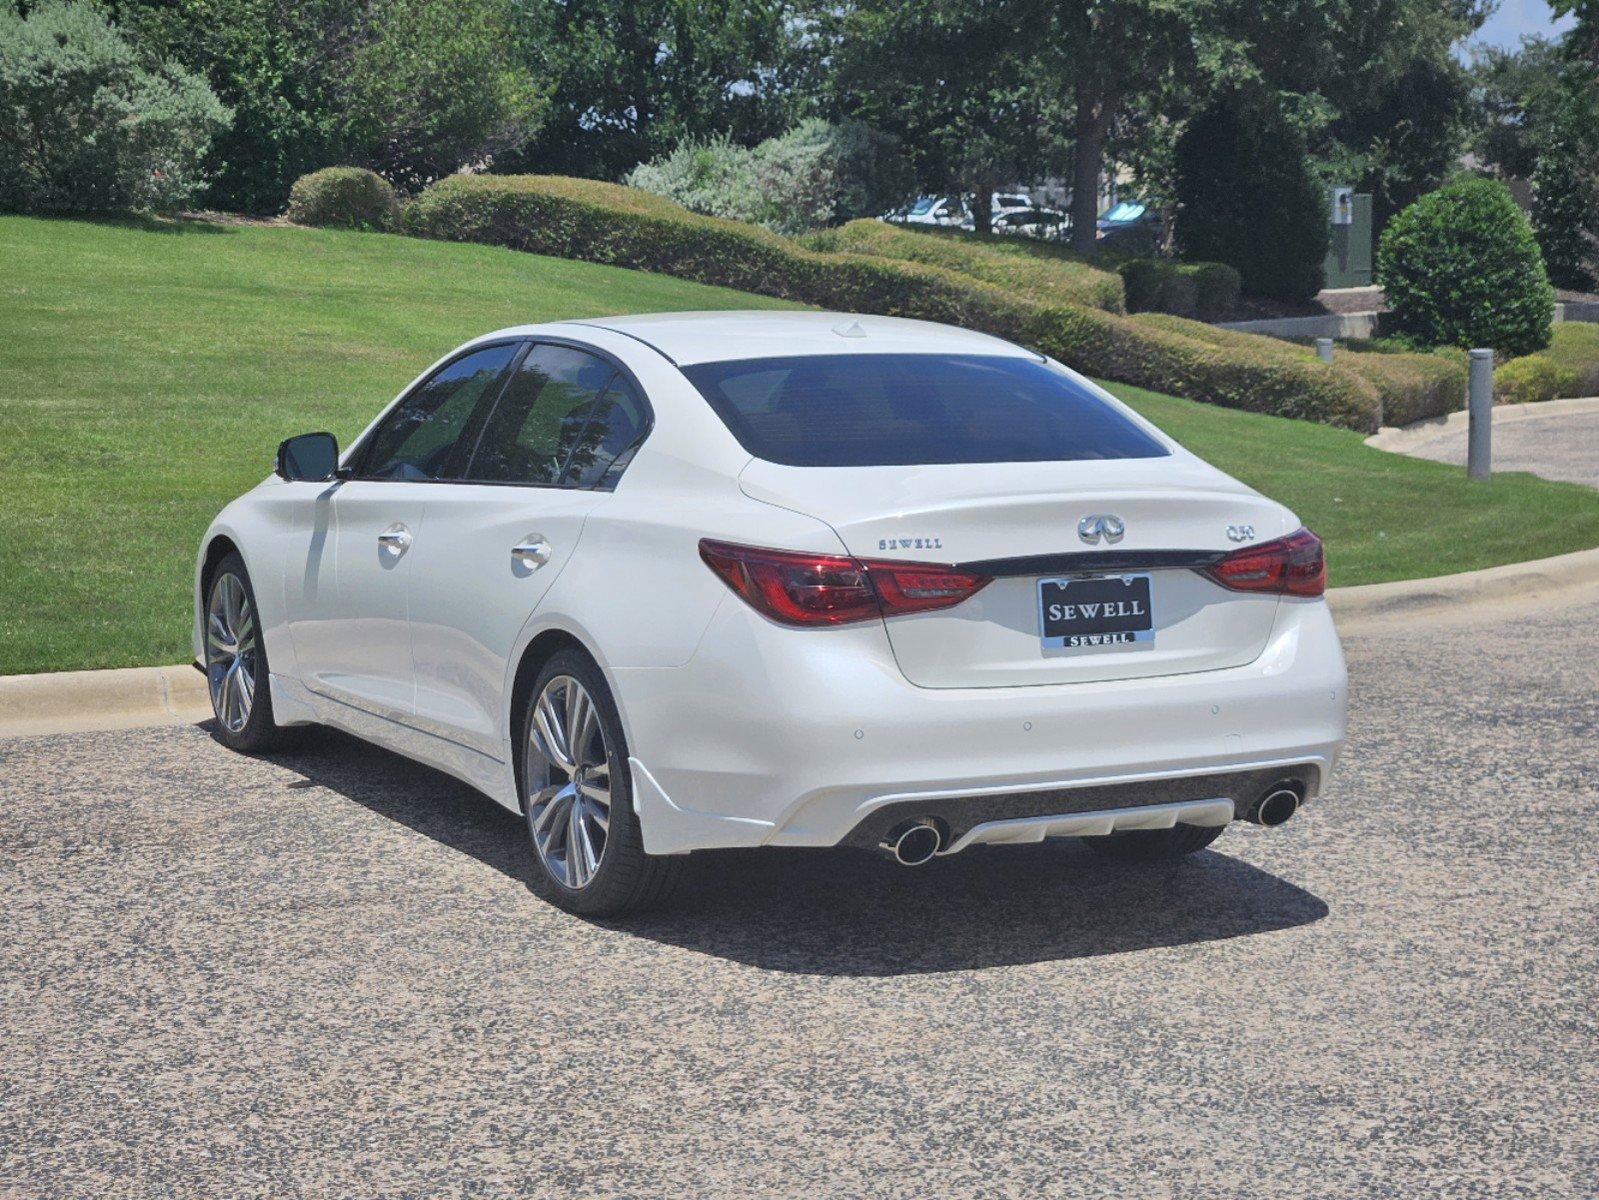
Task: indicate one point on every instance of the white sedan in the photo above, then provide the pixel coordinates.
(677, 582)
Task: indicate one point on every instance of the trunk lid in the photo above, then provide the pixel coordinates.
(1019, 523)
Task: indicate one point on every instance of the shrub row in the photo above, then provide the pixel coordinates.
(1208, 291)
(1409, 385)
(1045, 280)
(607, 223)
(1569, 367)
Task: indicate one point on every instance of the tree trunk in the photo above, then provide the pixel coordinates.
(983, 209)
(1088, 157)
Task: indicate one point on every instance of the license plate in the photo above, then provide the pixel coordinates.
(1076, 614)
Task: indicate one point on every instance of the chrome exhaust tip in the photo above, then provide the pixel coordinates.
(1276, 807)
(914, 842)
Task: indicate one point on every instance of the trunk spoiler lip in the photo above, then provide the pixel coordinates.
(1093, 562)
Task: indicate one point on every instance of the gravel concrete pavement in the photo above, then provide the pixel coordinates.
(323, 974)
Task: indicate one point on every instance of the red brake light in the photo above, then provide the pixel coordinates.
(826, 589)
(1289, 566)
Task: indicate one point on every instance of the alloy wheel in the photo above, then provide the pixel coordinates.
(568, 782)
(230, 652)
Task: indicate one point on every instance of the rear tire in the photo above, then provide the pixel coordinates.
(236, 668)
(1154, 845)
(577, 796)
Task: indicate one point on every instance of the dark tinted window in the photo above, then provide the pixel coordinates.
(416, 439)
(565, 417)
(867, 410)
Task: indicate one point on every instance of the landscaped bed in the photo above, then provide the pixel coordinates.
(149, 371)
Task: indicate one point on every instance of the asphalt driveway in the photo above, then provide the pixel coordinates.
(324, 975)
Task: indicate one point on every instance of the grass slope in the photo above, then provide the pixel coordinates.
(147, 372)
(1383, 516)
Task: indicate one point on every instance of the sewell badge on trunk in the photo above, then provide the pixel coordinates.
(1075, 614)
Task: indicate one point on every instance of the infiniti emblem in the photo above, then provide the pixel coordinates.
(1101, 525)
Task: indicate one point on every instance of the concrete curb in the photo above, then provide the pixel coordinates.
(81, 701)
(1400, 439)
(1512, 583)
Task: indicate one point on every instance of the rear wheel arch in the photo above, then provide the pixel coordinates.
(544, 646)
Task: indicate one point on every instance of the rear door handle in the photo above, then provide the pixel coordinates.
(531, 554)
(396, 539)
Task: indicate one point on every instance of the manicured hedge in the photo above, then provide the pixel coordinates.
(1568, 368)
(607, 223)
(1208, 291)
(1046, 280)
(1409, 386)
(344, 197)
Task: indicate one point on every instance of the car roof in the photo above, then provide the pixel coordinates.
(686, 338)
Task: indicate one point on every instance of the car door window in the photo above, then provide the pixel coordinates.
(416, 440)
(607, 442)
(565, 417)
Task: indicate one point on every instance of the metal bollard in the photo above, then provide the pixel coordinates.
(1324, 349)
(1480, 399)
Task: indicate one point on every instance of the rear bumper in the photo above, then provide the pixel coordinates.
(771, 736)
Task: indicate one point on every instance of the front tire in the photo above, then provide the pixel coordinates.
(577, 796)
(1154, 845)
(236, 662)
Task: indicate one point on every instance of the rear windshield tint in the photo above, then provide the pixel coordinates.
(878, 410)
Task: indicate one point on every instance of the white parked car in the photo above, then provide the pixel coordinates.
(675, 582)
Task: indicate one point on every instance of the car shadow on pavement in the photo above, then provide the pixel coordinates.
(843, 912)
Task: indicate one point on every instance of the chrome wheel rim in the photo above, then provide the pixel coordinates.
(568, 782)
(230, 652)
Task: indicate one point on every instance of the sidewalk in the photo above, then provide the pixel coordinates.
(1558, 440)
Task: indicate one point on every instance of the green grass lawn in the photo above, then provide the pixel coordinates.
(147, 373)
(1383, 516)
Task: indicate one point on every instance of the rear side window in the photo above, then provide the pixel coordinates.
(416, 440)
(873, 410)
(566, 417)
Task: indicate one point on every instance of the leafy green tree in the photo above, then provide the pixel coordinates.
(631, 79)
(1517, 94)
(281, 68)
(412, 88)
(1247, 197)
(88, 125)
(1565, 206)
(437, 86)
(953, 80)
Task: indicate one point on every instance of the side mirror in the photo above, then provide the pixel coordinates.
(312, 457)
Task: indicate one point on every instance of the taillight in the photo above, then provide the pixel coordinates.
(1289, 566)
(828, 589)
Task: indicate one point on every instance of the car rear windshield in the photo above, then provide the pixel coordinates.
(878, 410)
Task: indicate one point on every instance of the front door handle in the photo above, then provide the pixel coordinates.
(531, 554)
(395, 540)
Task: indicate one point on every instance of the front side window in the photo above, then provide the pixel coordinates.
(417, 440)
(873, 410)
(566, 418)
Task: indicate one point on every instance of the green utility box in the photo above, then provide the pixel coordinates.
(1349, 249)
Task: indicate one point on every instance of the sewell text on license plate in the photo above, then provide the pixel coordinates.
(1114, 610)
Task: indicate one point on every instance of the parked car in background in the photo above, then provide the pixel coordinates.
(937, 210)
(683, 581)
(1130, 223)
(1047, 224)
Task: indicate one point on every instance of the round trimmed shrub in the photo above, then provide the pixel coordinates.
(1460, 267)
(345, 197)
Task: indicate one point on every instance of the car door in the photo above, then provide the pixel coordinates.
(348, 614)
(562, 431)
